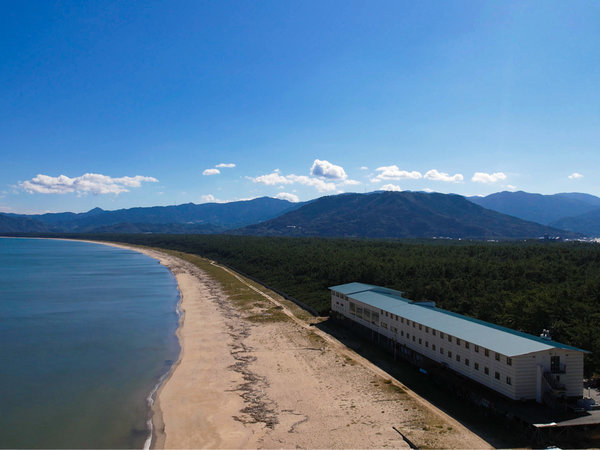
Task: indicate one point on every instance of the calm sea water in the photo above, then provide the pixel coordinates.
(86, 333)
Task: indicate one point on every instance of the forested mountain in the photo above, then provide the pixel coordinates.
(544, 209)
(161, 228)
(20, 225)
(587, 224)
(398, 215)
(219, 216)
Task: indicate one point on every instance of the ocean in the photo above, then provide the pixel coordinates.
(87, 331)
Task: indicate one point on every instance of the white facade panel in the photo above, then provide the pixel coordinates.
(515, 377)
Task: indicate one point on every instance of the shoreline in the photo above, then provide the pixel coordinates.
(240, 382)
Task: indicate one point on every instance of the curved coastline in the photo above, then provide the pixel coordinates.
(237, 384)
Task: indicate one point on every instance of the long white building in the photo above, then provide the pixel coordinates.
(518, 365)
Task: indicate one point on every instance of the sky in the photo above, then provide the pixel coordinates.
(122, 104)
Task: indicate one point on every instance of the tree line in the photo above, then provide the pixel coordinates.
(526, 286)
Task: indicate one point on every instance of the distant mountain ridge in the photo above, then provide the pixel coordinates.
(587, 224)
(379, 214)
(399, 215)
(215, 216)
(544, 209)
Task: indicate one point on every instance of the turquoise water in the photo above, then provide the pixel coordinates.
(86, 333)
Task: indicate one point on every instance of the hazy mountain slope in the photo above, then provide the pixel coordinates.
(588, 198)
(587, 224)
(20, 225)
(219, 215)
(160, 228)
(544, 209)
(398, 215)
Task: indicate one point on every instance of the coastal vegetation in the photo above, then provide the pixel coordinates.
(526, 286)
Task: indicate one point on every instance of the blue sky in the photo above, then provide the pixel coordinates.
(137, 104)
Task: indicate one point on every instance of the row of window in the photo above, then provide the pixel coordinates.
(373, 317)
(467, 362)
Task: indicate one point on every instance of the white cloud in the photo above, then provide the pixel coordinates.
(225, 165)
(482, 177)
(441, 176)
(93, 183)
(394, 173)
(287, 196)
(320, 185)
(428, 190)
(325, 169)
(276, 178)
(510, 187)
(271, 179)
(575, 176)
(364, 168)
(391, 187)
(208, 198)
(211, 172)
(351, 182)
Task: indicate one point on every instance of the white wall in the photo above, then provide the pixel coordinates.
(520, 373)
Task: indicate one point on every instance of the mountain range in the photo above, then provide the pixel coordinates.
(405, 214)
(189, 217)
(399, 215)
(576, 212)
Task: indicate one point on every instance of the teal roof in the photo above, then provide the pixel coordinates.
(493, 337)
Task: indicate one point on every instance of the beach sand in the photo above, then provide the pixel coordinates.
(252, 374)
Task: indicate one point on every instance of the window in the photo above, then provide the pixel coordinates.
(441, 335)
(420, 327)
(509, 361)
(486, 352)
(477, 349)
(497, 375)
(433, 347)
(497, 356)
(375, 318)
(407, 335)
(352, 308)
(458, 357)
(486, 370)
(426, 329)
(401, 333)
(466, 361)
(442, 350)
(413, 338)
(384, 325)
(476, 365)
(449, 354)
(433, 332)
(427, 344)
(449, 338)
(457, 341)
(420, 341)
(414, 324)
(466, 344)
(401, 319)
(359, 311)
(367, 315)
(508, 380)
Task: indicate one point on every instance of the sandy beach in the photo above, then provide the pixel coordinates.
(253, 373)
